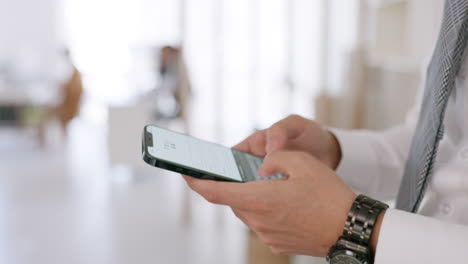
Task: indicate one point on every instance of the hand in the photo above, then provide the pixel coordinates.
(301, 214)
(298, 134)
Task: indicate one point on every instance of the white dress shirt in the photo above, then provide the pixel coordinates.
(373, 164)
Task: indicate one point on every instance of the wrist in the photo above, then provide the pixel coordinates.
(361, 232)
(376, 232)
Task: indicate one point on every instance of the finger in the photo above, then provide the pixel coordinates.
(236, 195)
(284, 130)
(288, 163)
(280, 251)
(254, 144)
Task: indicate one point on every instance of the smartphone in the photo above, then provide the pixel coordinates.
(201, 159)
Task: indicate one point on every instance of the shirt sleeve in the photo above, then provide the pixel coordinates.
(373, 162)
(411, 238)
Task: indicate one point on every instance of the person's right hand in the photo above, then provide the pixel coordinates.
(298, 134)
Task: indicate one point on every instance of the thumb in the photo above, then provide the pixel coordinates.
(277, 138)
(283, 162)
(282, 131)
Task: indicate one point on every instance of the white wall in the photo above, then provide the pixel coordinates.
(28, 35)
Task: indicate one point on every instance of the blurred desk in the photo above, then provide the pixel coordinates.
(16, 100)
(39, 94)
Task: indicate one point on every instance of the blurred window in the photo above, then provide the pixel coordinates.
(250, 62)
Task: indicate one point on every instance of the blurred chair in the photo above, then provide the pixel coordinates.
(68, 107)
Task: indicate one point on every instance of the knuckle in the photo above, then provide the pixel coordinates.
(257, 226)
(277, 251)
(268, 241)
(295, 118)
(262, 205)
(211, 197)
(236, 213)
(189, 182)
(195, 187)
(259, 134)
(274, 250)
(241, 216)
(304, 157)
(190, 185)
(261, 228)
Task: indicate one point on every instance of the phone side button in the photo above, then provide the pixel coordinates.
(208, 177)
(192, 173)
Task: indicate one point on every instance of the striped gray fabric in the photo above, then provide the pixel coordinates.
(443, 69)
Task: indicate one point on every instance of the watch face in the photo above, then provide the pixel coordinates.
(344, 259)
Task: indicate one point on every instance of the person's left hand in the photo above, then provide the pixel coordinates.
(301, 214)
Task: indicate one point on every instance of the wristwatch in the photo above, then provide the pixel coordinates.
(353, 246)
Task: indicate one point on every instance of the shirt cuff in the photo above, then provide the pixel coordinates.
(410, 238)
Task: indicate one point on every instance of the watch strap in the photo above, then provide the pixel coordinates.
(362, 218)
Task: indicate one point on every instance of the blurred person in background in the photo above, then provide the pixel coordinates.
(422, 164)
(173, 92)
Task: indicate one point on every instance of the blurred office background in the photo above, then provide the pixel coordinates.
(80, 78)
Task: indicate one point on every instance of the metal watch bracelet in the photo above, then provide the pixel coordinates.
(362, 218)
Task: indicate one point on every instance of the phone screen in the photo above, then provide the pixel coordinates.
(194, 153)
